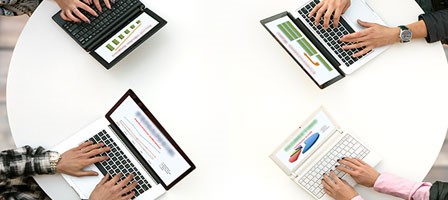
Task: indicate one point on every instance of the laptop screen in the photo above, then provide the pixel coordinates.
(150, 139)
(305, 140)
(304, 52)
(126, 37)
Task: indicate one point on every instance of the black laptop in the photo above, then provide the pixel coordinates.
(115, 32)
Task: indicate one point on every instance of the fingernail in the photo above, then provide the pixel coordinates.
(343, 158)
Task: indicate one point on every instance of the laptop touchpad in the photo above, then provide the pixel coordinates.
(85, 185)
(360, 10)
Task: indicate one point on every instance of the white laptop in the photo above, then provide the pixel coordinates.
(318, 51)
(139, 145)
(313, 149)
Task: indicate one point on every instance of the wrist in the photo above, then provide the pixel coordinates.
(54, 161)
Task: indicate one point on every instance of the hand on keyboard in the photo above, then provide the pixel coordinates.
(114, 189)
(76, 10)
(360, 171)
(336, 188)
(73, 161)
(329, 9)
(373, 36)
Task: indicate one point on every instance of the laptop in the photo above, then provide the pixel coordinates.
(139, 145)
(115, 32)
(313, 149)
(318, 51)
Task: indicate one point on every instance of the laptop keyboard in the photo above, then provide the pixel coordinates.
(332, 36)
(346, 147)
(85, 32)
(118, 162)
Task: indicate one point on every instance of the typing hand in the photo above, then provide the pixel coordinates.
(76, 159)
(112, 189)
(328, 9)
(338, 189)
(361, 172)
(70, 9)
(373, 36)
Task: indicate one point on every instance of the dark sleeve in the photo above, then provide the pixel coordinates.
(438, 191)
(25, 161)
(436, 25)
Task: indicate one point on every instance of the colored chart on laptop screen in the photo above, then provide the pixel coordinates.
(301, 48)
(127, 36)
(155, 148)
(306, 140)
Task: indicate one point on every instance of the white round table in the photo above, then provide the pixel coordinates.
(229, 95)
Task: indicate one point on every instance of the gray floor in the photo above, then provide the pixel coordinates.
(10, 28)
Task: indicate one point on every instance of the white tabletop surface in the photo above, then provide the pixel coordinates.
(229, 95)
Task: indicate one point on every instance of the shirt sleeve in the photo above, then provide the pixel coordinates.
(357, 198)
(25, 161)
(436, 25)
(401, 187)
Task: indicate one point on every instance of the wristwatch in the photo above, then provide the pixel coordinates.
(405, 34)
(54, 160)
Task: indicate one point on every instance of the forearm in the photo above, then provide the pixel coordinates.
(401, 187)
(24, 161)
(418, 29)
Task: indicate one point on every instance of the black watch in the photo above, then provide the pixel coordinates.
(405, 34)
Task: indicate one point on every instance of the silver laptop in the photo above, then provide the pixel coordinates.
(139, 145)
(313, 149)
(318, 51)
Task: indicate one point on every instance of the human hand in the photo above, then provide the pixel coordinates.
(338, 189)
(70, 9)
(76, 159)
(112, 189)
(375, 35)
(331, 8)
(360, 171)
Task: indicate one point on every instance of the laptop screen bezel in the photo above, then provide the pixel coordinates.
(108, 65)
(131, 94)
(283, 14)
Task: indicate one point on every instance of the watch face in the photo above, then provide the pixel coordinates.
(406, 35)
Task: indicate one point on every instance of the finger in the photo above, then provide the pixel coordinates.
(365, 24)
(354, 37)
(327, 17)
(354, 46)
(64, 17)
(96, 159)
(352, 160)
(315, 9)
(87, 173)
(361, 161)
(72, 17)
(346, 170)
(97, 151)
(362, 52)
(336, 16)
(335, 178)
(116, 178)
(108, 5)
(104, 179)
(86, 2)
(83, 145)
(128, 196)
(348, 163)
(128, 188)
(98, 5)
(88, 9)
(329, 182)
(328, 192)
(92, 147)
(125, 181)
(319, 15)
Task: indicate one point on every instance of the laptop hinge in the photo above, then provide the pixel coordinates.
(135, 153)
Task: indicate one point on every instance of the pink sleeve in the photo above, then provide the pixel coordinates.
(357, 198)
(401, 187)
